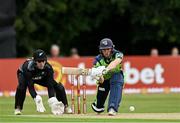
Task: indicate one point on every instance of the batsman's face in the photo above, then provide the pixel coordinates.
(40, 64)
(106, 52)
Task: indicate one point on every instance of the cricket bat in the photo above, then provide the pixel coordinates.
(76, 71)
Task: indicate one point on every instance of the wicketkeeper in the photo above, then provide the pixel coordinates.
(39, 71)
(109, 75)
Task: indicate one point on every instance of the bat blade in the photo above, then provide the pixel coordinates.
(75, 71)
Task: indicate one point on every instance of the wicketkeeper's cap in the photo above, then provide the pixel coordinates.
(39, 55)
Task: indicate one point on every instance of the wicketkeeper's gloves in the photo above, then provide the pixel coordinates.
(57, 107)
(39, 104)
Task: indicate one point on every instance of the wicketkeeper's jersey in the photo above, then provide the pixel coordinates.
(34, 75)
(102, 61)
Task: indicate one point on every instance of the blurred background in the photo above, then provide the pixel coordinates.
(146, 31)
(135, 26)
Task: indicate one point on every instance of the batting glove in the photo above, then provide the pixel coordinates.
(100, 80)
(105, 71)
(97, 71)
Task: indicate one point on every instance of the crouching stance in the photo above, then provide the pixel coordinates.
(39, 71)
(108, 73)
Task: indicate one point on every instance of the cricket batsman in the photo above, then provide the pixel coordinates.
(38, 70)
(107, 70)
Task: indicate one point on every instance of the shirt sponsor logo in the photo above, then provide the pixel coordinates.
(37, 78)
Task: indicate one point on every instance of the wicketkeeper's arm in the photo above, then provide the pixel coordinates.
(37, 98)
(50, 80)
(31, 88)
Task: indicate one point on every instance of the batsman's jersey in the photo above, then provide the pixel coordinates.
(102, 61)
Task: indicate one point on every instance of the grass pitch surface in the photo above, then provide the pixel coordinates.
(149, 108)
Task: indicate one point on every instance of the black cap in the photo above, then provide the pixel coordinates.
(39, 55)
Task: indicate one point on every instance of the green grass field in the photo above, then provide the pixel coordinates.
(156, 108)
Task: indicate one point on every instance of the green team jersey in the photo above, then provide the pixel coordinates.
(101, 61)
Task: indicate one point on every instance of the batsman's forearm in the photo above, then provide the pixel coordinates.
(113, 64)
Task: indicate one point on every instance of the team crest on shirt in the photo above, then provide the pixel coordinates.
(119, 55)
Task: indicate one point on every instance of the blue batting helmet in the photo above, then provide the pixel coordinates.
(106, 43)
